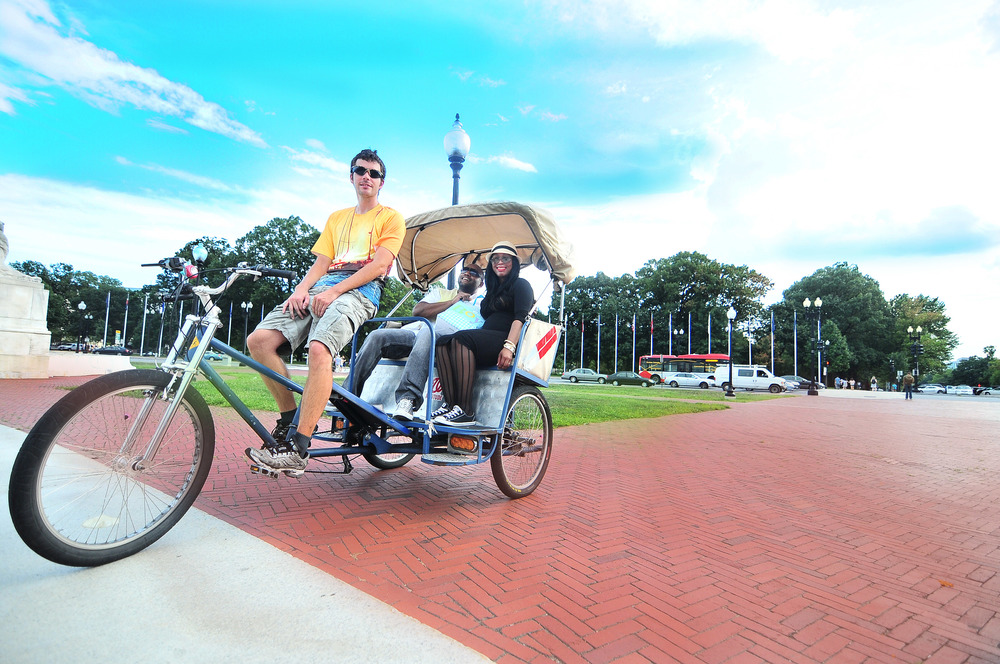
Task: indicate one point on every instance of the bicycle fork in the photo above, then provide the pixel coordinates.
(188, 368)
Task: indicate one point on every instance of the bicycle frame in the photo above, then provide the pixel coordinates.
(198, 335)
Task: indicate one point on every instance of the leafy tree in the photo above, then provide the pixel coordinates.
(928, 313)
(855, 304)
(973, 370)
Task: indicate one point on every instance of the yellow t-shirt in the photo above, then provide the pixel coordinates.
(350, 239)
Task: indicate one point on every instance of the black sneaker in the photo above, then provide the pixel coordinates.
(456, 417)
(280, 431)
(443, 409)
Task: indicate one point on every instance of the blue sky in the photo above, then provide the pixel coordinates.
(782, 134)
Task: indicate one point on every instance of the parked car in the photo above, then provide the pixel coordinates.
(750, 378)
(577, 375)
(628, 378)
(802, 383)
(963, 389)
(215, 357)
(66, 347)
(987, 391)
(791, 384)
(112, 350)
(931, 388)
(685, 379)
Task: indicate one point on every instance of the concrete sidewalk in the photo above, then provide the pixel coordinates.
(208, 592)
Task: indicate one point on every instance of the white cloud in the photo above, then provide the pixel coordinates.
(184, 176)
(326, 164)
(30, 36)
(510, 162)
(616, 89)
(549, 116)
(787, 28)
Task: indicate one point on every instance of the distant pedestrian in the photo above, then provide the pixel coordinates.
(851, 383)
(908, 386)
(874, 384)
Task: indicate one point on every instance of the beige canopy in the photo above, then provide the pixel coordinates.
(435, 241)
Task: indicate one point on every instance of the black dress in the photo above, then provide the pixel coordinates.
(487, 341)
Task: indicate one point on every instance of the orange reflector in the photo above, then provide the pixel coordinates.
(464, 444)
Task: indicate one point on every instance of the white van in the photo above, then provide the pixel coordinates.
(749, 377)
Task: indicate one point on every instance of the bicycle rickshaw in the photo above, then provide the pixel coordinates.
(113, 465)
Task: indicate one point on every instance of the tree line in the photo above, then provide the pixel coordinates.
(676, 303)
(864, 334)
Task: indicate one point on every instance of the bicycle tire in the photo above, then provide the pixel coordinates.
(76, 500)
(525, 444)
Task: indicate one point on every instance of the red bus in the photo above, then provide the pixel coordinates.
(655, 366)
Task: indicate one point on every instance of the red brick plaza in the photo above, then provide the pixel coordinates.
(804, 529)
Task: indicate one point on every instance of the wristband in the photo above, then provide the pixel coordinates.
(509, 345)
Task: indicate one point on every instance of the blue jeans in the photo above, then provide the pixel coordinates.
(397, 342)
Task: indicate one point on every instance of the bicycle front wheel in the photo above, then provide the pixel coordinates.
(526, 443)
(79, 496)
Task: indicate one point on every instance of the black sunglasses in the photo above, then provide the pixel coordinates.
(361, 171)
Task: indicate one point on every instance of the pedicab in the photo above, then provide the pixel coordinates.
(114, 464)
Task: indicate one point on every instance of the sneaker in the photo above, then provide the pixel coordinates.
(442, 410)
(284, 458)
(456, 417)
(280, 431)
(404, 409)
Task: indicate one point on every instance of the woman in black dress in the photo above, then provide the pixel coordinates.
(506, 305)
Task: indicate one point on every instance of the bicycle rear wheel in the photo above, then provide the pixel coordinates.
(76, 496)
(525, 445)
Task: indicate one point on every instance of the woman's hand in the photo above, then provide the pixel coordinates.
(506, 359)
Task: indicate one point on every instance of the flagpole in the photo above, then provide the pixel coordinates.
(689, 333)
(795, 339)
(142, 339)
(229, 338)
(581, 339)
(650, 332)
(772, 340)
(125, 323)
(670, 333)
(709, 332)
(163, 314)
(598, 343)
(633, 342)
(616, 342)
(107, 314)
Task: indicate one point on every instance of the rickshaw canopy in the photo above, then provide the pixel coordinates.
(436, 241)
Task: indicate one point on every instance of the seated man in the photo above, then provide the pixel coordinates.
(460, 312)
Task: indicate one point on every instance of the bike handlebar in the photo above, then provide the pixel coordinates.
(289, 275)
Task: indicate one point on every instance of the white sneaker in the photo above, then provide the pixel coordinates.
(404, 409)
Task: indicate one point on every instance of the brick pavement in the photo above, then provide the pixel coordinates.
(806, 529)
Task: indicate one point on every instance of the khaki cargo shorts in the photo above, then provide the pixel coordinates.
(334, 329)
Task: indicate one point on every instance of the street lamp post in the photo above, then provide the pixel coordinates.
(731, 315)
(916, 347)
(812, 310)
(456, 147)
(79, 341)
(246, 307)
(679, 335)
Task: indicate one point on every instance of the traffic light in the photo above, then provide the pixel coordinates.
(920, 349)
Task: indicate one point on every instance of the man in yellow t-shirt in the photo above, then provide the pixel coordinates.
(341, 290)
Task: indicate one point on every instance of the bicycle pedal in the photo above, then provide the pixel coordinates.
(261, 470)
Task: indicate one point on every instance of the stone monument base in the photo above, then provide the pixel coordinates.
(66, 363)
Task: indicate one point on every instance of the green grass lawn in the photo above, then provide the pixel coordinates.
(570, 404)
